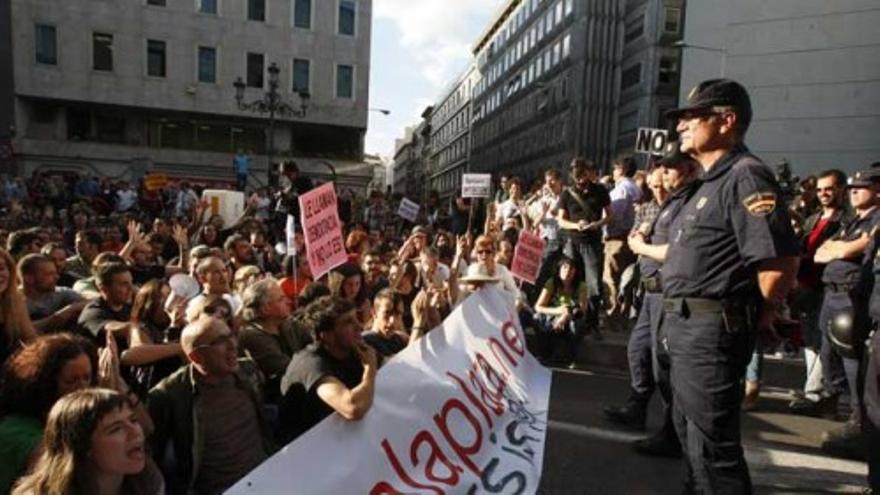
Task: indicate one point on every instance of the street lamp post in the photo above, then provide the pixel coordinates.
(722, 51)
(272, 103)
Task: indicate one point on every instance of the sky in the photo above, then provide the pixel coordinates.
(419, 48)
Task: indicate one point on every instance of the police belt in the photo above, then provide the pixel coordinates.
(840, 287)
(652, 284)
(689, 305)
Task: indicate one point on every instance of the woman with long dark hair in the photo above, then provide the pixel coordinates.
(154, 350)
(347, 282)
(93, 444)
(561, 309)
(15, 324)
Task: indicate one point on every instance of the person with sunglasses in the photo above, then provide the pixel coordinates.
(210, 412)
(731, 262)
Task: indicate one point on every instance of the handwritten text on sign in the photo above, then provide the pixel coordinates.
(527, 257)
(409, 210)
(462, 411)
(323, 231)
(476, 185)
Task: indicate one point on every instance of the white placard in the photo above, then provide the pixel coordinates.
(476, 185)
(227, 204)
(290, 230)
(462, 410)
(409, 210)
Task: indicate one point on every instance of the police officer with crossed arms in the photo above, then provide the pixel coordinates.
(731, 261)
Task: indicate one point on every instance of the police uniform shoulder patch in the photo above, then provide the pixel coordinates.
(760, 204)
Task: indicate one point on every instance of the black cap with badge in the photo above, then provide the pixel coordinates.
(672, 155)
(864, 178)
(717, 93)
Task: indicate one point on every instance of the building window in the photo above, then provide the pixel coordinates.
(207, 6)
(566, 46)
(45, 44)
(207, 64)
(631, 76)
(672, 23)
(302, 14)
(155, 58)
(157, 3)
(255, 70)
(301, 70)
(569, 7)
(102, 51)
(559, 12)
(347, 15)
(256, 10)
(345, 81)
(634, 29)
(668, 70)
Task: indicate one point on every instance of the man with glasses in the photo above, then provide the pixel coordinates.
(843, 318)
(730, 263)
(210, 412)
(582, 211)
(807, 300)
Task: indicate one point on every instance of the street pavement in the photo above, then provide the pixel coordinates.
(585, 454)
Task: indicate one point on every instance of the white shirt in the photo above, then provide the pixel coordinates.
(548, 223)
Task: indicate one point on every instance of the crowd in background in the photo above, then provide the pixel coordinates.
(148, 345)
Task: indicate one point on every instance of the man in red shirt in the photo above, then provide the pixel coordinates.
(819, 227)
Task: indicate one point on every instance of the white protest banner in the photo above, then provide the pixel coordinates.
(325, 248)
(227, 204)
(527, 257)
(409, 210)
(290, 230)
(651, 141)
(463, 410)
(476, 185)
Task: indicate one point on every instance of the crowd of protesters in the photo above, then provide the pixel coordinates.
(147, 345)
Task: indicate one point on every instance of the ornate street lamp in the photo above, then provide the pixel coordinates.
(273, 104)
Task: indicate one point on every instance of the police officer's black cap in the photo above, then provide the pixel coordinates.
(864, 178)
(717, 93)
(672, 155)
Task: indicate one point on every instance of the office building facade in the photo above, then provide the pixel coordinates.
(116, 89)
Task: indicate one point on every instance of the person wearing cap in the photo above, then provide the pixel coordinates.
(871, 376)
(731, 261)
(845, 300)
(582, 211)
(649, 365)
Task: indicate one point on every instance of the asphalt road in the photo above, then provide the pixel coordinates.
(585, 454)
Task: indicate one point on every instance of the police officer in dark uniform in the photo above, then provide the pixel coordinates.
(679, 173)
(731, 261)
(843, 318)
(871, 371)
(582, 211)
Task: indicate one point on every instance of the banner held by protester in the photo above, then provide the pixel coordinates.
(463, 410)
(527, 257)
(325, 248)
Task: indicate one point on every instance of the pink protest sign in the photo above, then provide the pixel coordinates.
(527, 257)
(323, 231)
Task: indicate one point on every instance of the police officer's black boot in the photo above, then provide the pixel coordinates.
(825, 407)
(846, 441)
(632, 414)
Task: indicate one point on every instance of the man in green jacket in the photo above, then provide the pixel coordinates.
(211, 413)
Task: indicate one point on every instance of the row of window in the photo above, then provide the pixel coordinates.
(635, 27)
(452, 128)
(453, 153)
(667, 73)
(46, 53)
(454, 101)
(542, 63)
(519, 49)
(302, 12)
(448, 182)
